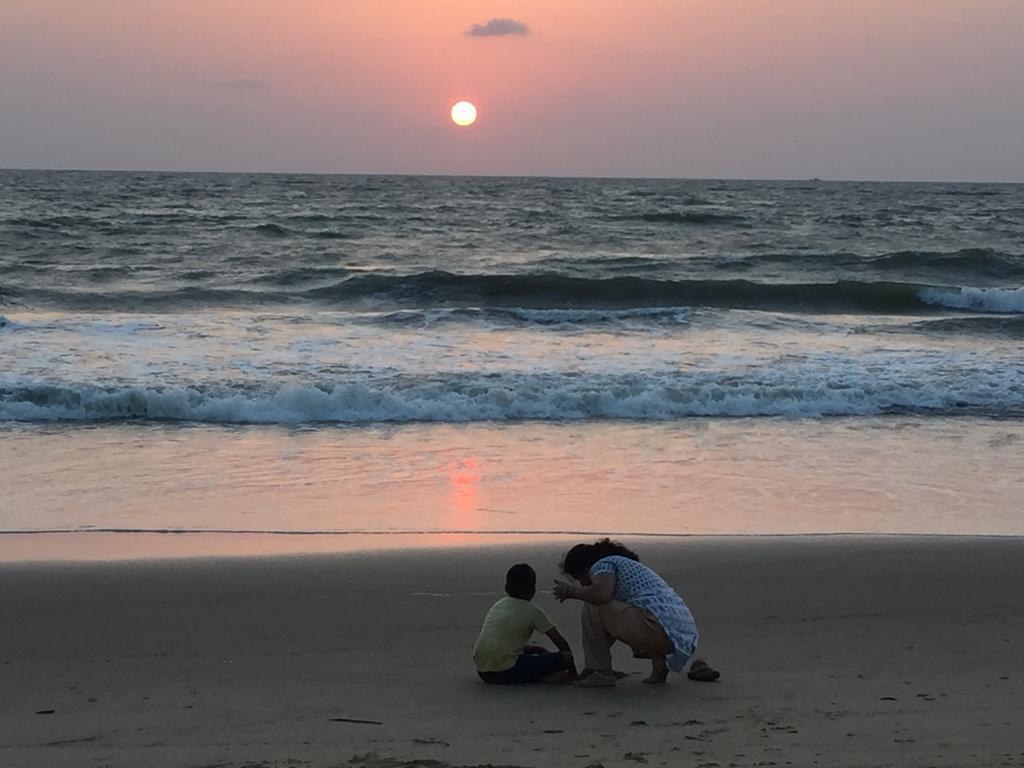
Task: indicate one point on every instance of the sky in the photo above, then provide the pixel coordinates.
(854, 89)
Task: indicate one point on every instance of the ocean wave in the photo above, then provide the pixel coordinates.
(1001, 326)
(311, 218)
(272, 230)
(537, 291)
(280, 232)
(974, 192)
(687, 217)
(524, 316)
(329, 234)
(65, 225)
(966, 262)
(198, 274)
(49, 222)
(1000, 300)
(165, 300)
(300, 275)
(684, 199)
(830, 390)
(554, 290)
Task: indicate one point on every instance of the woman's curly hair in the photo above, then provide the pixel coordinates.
(580, 558)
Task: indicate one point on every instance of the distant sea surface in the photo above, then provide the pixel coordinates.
(147, 307)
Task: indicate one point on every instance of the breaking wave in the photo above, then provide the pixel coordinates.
(553, 290)
(1002, 300)
(548, 291)
(830, 389)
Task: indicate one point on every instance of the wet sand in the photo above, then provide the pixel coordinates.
(835, 651)
(884, 475)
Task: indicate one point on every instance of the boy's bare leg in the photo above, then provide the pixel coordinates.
(559, 677)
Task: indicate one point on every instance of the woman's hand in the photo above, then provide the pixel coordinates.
(563, 591)
(600, 590)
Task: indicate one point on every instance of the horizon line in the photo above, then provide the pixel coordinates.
(441, 175)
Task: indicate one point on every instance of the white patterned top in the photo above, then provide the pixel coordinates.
(639, 586)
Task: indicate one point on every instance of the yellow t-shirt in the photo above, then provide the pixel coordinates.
(506, 631)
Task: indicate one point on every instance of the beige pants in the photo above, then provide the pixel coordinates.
(606, 623)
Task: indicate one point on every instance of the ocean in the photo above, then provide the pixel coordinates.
(377, 354)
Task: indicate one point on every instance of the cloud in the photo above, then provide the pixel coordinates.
(498, 28)
(242, 85)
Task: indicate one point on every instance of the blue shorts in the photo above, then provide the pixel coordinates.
(529, 668)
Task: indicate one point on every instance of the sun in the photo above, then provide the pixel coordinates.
(464, 113)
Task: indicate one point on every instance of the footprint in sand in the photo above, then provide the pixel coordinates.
(435, 742)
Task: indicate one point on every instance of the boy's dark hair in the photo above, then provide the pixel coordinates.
(521, 582)
(580, 558)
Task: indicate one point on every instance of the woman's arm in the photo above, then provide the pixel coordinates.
(600, 590)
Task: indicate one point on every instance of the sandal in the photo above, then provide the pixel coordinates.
(702, 673)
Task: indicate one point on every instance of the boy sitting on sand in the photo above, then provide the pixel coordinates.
(502, 653)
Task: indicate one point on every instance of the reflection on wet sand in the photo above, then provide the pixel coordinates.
(764, 476)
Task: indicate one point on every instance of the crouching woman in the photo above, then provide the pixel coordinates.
(627, 601)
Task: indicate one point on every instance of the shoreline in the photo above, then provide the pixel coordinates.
(845, 651)
(27, 548)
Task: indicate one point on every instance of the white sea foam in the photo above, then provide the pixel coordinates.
(1002, 300)
(797, 393)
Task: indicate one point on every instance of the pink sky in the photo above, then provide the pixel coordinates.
(875, 89)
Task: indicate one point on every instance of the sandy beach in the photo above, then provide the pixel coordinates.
(841, 651)
(316, 317)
